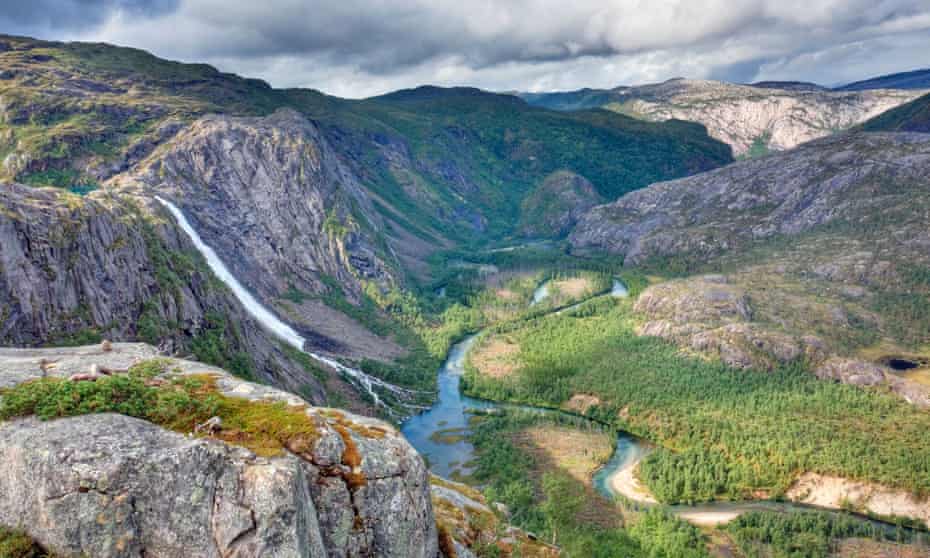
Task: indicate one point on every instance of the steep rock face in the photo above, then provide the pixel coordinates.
(109, 485)
(553, 208)
(273, 192)
(274, 201)
(72, 267)
(834, 179)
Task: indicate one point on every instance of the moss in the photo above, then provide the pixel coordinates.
(181, 403)
(16, 544)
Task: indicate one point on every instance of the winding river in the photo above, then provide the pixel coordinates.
(439, 432)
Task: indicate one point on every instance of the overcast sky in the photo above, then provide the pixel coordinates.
(358, 48)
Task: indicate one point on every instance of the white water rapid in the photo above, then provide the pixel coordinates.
(271, 322)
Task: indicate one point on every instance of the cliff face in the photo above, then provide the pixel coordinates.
(271, 197)
(74, 269)
(271, 192)
(108, 485)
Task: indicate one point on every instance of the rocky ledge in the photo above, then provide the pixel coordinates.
(108, 485)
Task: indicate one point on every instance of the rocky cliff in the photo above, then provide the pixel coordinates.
(314, 201)
(273, 199)
(108, 485)
(818, 254)
(752, 119)
(765, 119)
(74, 269)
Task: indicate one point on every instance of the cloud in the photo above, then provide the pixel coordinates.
(362, 47)
(51, 16)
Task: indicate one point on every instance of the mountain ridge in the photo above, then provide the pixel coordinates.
(752, 119)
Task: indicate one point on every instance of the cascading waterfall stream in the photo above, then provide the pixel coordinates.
(274, 325)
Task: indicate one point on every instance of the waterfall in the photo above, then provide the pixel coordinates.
(274, 325)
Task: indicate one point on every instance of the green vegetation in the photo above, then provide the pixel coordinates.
(759, 147)
(177, 403)
(723, 433)
(909, 117)
(16, 544)
(906, 307)
(215, 344)
(497, 145)
(804, 535)
(86, 336)
(661, 534)
(552, 508)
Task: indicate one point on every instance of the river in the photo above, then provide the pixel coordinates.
(440, 435)
(439, 432)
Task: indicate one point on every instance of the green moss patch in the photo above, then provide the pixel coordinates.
(179, 404)
(16, 544)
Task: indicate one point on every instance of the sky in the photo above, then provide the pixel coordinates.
(359, 48)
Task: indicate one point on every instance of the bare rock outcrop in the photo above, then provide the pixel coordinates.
(711, 316)
(108, 485)
(273, 198)
(851, 371)
(836, 492)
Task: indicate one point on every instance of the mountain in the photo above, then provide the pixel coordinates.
(789, 85)
(752, 119)
(917, 79)
(820, 253)
(327, 209)
(556, 204)
(909, 117)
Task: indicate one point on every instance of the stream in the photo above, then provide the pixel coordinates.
(376, 388)
(440, 435)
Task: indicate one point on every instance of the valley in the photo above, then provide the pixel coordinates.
(678, 320)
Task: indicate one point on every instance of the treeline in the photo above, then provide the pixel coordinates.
(808, 534)
(551, 508)
(731, 432)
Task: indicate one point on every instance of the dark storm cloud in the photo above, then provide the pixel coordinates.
(22, 16)
(360, 47)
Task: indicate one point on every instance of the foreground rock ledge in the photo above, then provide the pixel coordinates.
(108, 485)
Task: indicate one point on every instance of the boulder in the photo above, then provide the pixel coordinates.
(108, 485)
(851, 371)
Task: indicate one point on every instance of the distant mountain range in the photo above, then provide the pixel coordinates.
(752, 119)
(917, 79)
